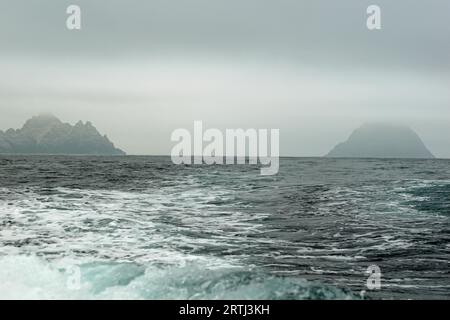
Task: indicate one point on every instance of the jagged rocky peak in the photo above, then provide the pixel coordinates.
(41, 120)
(46, 134)
(382, 140)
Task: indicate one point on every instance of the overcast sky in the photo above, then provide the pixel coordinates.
(140, 69)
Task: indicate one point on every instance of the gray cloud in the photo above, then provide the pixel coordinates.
(139, 69)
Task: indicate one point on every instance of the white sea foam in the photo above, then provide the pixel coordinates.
(29, 277)
(152, 231)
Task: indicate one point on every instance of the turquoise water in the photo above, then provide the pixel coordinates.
(143, 228)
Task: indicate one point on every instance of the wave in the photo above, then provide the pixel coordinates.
(431, 196)
(31, 277)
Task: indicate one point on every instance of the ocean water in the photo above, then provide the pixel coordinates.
(143, 228)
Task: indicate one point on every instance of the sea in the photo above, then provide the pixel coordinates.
(139, 227)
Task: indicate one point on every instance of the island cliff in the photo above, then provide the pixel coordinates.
(382, 141)
(46, 134)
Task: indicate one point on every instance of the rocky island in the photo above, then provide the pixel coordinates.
(46, 134)
(375, 140)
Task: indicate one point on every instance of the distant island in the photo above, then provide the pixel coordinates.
(375, 140)
(46, 134)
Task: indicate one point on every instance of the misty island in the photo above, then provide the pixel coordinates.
(378, 140)
(46, 134)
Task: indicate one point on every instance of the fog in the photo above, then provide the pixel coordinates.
(139, 70)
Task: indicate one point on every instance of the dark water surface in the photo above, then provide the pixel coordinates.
(141, 227)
